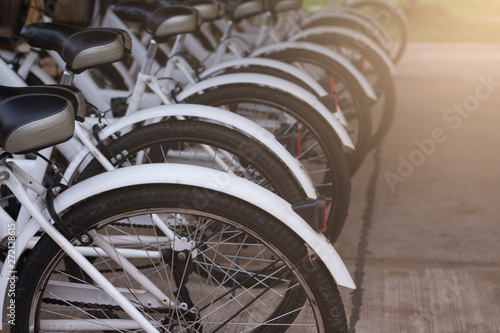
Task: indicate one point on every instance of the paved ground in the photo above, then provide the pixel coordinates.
(422, 239)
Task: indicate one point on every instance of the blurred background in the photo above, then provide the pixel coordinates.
(454, 20)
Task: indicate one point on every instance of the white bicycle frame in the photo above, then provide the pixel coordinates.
(20, 183)
(219, 60)
(153, 83)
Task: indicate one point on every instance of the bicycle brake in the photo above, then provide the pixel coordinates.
(78, 232)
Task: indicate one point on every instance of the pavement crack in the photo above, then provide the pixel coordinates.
(359, 273)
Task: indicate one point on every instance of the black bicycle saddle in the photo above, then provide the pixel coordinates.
(160, 21)
(80, 48)
(239, 10)
(36, 117)
(209, 10)
(279, 6)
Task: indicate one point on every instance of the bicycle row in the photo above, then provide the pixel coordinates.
(197, 158)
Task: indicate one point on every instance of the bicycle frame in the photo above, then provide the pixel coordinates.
(19, 182)
(139, 52)
(94, 94)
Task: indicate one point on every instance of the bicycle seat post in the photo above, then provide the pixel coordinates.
(150, 57)
(227, 31)
(179, 42)
(67, 77)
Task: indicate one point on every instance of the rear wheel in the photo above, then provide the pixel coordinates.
(350, 96)
(281, 113)
(376, 71)
(392, 18)
(204, 144)
(300, 296)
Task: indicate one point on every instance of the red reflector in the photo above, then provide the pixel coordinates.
(298, 143)
(363, 65)
(324, 213)
(332, 84)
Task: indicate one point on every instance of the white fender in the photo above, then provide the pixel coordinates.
(271, 63)
(370, 27)
(341, 60)
(361, 14)
(360, 39)
(234, 120)
(276, 83)
(212, 180)
(277, 65)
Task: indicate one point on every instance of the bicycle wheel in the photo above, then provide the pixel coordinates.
(376, 72)
(350, 96)
(358, 123)
(203, 144)
(281, 113)
(392, 18)
(355, 20)
(51, 299)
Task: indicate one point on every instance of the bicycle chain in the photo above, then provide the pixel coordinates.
(109, 307)
(140, 226)
(117, 270)
(99, 306)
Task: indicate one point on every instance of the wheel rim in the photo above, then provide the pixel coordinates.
(206, 293)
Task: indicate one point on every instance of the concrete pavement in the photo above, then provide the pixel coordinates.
(422, 238)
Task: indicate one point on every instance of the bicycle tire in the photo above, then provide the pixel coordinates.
(333, 181)
(396, 19)
(177, 136)
(221, 213)
(376, 71)
(351, 98)
(371, 28)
